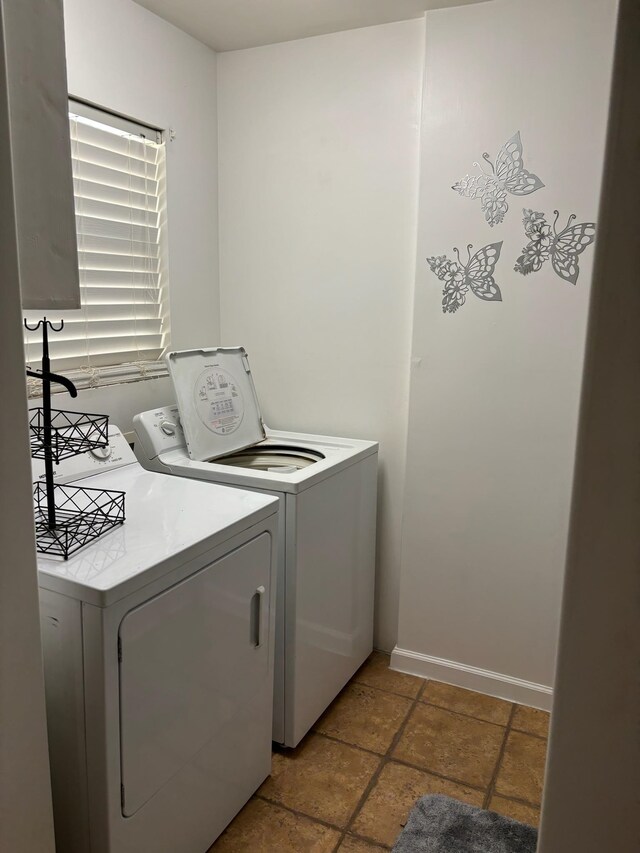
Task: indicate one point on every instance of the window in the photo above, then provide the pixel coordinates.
(122, 329)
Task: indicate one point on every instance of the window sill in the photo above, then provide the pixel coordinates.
(102, 377)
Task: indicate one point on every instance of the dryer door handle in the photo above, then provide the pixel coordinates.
(255, 618)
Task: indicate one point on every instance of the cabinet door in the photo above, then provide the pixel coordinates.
(41, 153)
(195, 666)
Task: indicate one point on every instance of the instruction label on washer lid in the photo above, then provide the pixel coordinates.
(218, 401)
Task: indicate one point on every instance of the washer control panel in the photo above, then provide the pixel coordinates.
(157, 431)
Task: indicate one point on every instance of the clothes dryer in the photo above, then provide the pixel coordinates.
(158, 644)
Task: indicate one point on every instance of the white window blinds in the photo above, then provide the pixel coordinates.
(122, 328)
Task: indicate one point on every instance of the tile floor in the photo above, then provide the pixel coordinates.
(388, 739)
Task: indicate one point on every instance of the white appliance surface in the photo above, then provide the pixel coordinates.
(190, 668)
(158, 644)
(326, 565)
(164, 520)
(161, 446)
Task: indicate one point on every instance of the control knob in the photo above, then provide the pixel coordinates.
(101, 452)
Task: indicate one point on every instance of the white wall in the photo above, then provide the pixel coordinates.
(122, 57)
(318, 147)
(495, 387)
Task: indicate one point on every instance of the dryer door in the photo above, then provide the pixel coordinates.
(196, 679)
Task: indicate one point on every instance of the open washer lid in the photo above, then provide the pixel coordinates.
(217, 401)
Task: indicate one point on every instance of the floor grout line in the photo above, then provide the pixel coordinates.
(383, 689)
(531, 734)
(462, 714)
(298, 813)
(384, 760)
(377, 844)
(494, 777)
(518, 800)
(435, 774)
(348, 743)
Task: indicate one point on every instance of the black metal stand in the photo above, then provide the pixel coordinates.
(67, 517)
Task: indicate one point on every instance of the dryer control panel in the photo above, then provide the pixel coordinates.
(115, 454)
(157, 431)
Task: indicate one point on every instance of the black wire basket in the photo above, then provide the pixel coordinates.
(71, 433)
(81, 515)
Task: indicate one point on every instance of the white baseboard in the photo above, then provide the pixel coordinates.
(473, 678)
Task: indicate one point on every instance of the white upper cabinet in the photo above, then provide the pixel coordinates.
(39, 130)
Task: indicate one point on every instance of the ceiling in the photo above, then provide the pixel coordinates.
(235, 24)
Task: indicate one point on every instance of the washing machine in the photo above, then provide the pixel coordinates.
(326, 489)
(158, 659)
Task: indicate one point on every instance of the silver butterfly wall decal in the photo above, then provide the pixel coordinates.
(476, 275)
(564, 248)
(507, 176)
